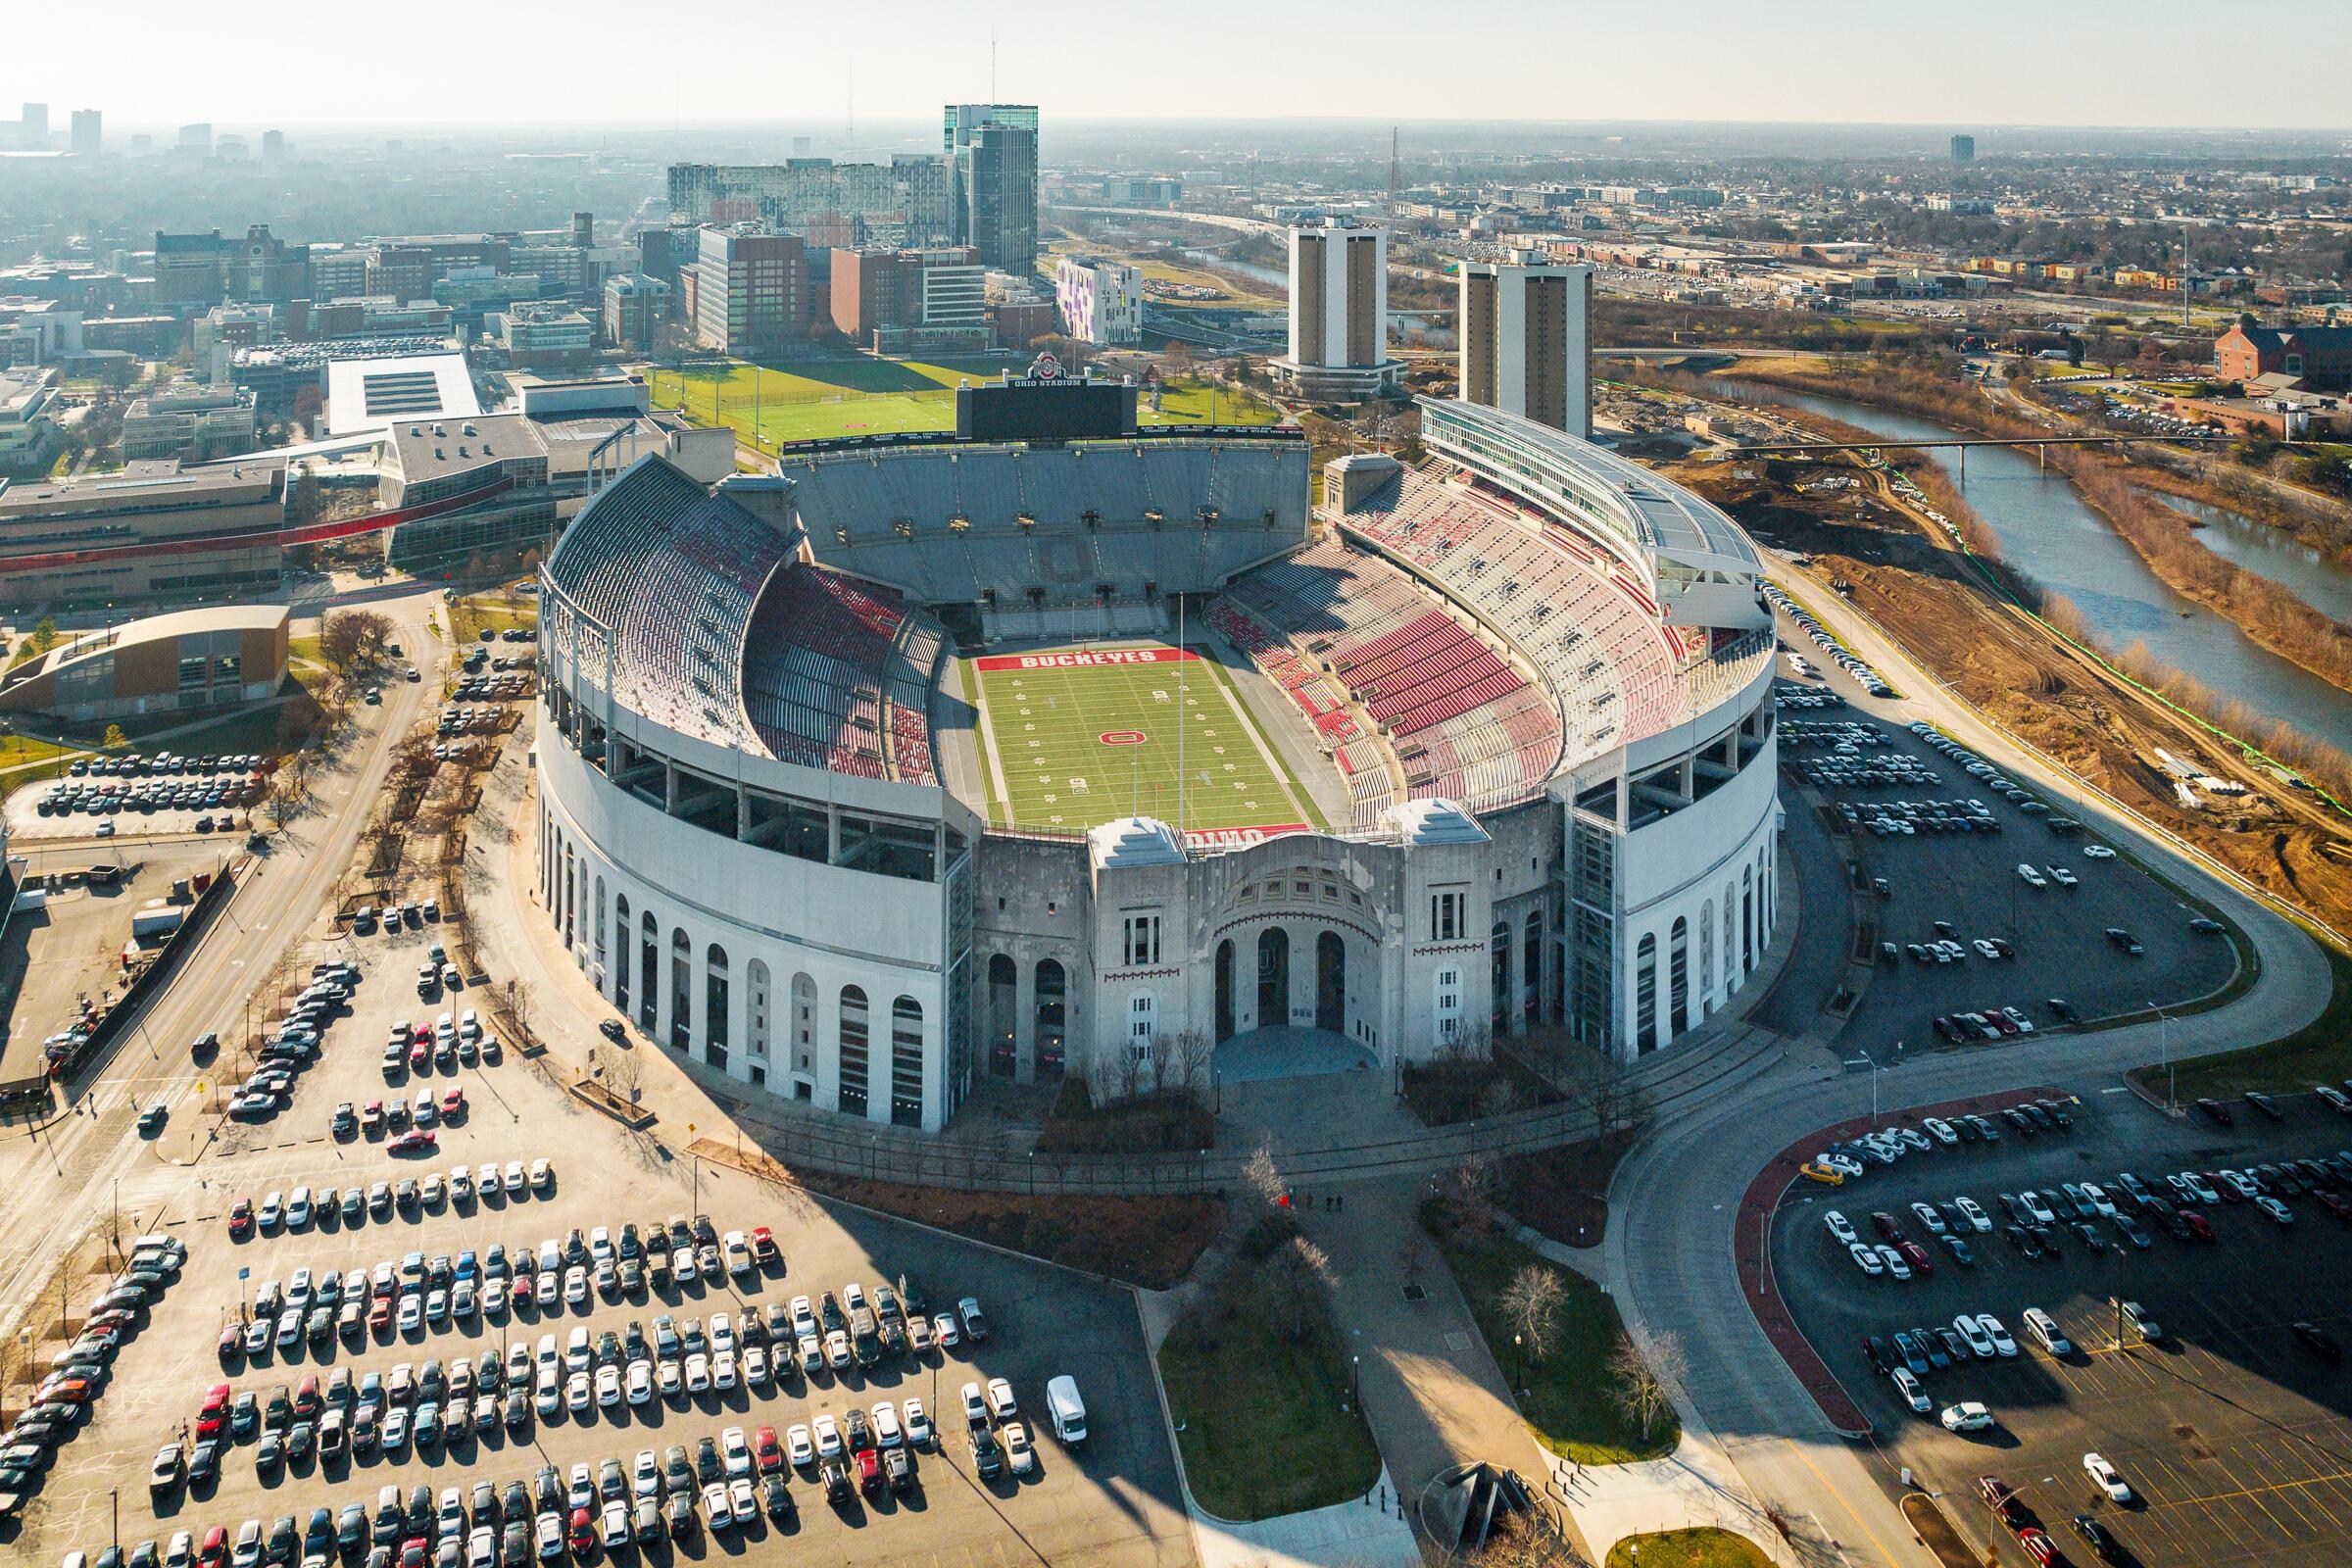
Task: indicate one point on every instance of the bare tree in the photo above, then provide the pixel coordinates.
(1190, 1054)
(351, 638)
(1469, 1192)
(1525, 1541)
(1412, 1257)
(1292, 1278)
(624, 1072)
(1598, 1080)
(1647, 1368)
(1264, 1179)
(1532, 1303)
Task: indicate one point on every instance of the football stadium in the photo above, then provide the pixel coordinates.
(1047, 747)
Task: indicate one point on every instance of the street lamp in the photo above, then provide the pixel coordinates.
(1355, 1382)
(1518, 1345)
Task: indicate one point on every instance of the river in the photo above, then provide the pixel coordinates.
(2272, 552)
(2048, 533)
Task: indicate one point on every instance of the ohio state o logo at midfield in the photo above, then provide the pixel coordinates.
(1123, 737)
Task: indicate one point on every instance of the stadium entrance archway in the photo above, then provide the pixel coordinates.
(1273, 977)
(1224, 992)
(1331, 983)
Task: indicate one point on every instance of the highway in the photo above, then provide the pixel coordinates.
(63, 1179)
(1670, 1253)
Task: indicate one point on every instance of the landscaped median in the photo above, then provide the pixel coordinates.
(1259, 1390)
(1702, 1548)
(2319, 1053)
(1588, 1395)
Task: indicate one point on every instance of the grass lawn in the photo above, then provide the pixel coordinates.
(822, 400)
(18, 749)
(1072, 746)
(1258, 1415)
(2319, 1053)
(1703, 1547)
(1570, 1403)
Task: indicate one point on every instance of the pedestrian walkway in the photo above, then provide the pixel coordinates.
(1696, 1484)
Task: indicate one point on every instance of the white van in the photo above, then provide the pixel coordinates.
(2044, 1330)
(1068, 1411)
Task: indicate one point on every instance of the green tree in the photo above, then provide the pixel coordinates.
(44, 635)
(115, 739)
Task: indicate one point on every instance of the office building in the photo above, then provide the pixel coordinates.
(1526, 340)
(193, 422)
(88, 136)
(32, 125)
(894, 205)
(893, 300)
(150, 529)
(1339, 339)
(28, 438)
(2286, 359)
(273, 146)
(189, 659)
(1964, 149)
(542, 334)
(196, 140)
(992, 150)
(202, 270)
(1101, 301)
(636, 304)
(751, 290)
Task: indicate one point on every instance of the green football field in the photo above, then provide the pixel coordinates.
(1077, 735)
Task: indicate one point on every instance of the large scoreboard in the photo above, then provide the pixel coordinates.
(1043, 405)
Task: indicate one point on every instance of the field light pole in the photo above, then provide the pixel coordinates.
(2164, 1046)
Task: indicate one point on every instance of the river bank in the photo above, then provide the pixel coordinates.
(2268, 614)
(2063, 698)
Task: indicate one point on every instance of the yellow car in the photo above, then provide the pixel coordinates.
(1815, 1172)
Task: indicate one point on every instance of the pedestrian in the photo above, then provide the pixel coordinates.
(1339, 1201)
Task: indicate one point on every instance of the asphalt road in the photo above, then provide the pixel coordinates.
(1670, 1258)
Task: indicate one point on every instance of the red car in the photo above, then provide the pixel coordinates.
(453, 1104)
(240, 1219)
(411, 1142)
(2036, 1545)
(523, 1290)
(1917, 1257)
(2335, 1205)
(767, 1450)
(2196, 1223)
(763, 1245)
(379, 1316)
(214, 1550)
(233, 1343)
(213, 1414)
(869, 1472)
(420, 1056)
(582, 1534)
(422, 1035)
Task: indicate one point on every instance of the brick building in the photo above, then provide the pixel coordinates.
(2317, 359)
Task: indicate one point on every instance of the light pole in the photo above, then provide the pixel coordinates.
(1356, 1383)
(1518, 1347)
(2164, 1045)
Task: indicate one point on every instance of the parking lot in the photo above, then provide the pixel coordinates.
(1112, 1499)
(135, 796)
(2234, 1435)
(1958, 863)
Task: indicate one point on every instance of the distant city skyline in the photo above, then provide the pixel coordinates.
(1998, 63)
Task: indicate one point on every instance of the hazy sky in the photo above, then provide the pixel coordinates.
(2207, 63)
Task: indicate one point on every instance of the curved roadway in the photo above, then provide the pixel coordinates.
(1676, 1195)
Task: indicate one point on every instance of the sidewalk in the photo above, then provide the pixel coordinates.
(1696, 1484)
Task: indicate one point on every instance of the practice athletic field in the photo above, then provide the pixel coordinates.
(1075, 736)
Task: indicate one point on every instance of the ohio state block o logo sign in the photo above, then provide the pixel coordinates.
(1123, 737)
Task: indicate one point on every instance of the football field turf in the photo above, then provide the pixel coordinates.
(1072, 737)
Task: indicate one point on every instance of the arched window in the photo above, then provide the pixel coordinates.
(1499, 980)
(1747, 918)
(1530, 967)
(620, 964)
(681, 989)
(715, 1006)
(1645, 994)
(1707, 955)
(595, 921)
(649, 972)
(756, 1043)
(568, 900)
(1678, 978)
(804, 1025)
(854, 1074)
(1730, 936)
(1051, 1011)
(1003, 1013)
(906, 1063)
